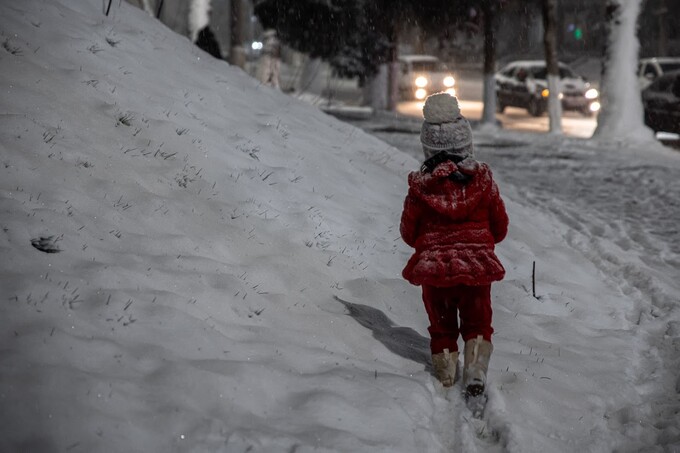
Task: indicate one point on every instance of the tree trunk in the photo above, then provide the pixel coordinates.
(375, 90)
(553, 70)
(311, 79)
(198, 18)
(489, 11)
(622, 115)
(159, 10)
(393, 70)
(239, 16)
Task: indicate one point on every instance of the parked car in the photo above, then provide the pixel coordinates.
(524, 84)
(661, 101)
(422, 75)
(651, 68)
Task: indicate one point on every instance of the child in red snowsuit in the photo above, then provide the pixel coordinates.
(453, 216)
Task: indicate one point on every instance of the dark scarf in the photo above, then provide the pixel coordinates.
(430, 164)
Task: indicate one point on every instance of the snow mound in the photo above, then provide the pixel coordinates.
(200, 224)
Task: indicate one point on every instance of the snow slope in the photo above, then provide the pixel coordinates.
(226, 264)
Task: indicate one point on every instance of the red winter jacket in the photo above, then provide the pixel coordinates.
(453, 226)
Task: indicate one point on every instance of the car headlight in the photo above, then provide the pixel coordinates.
(421, 94)
(595, 106)
(421, 81)
(592, 93)
(449, 81)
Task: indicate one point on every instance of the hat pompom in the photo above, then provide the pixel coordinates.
(441, 108)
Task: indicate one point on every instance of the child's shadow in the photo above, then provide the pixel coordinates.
(402, 341)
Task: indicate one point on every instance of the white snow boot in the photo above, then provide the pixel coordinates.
(445, 366)
(476, 355)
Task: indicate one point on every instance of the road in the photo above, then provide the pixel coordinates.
(470, 98)
(573, 124)
(470, 88)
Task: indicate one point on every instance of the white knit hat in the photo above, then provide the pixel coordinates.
(445, 128)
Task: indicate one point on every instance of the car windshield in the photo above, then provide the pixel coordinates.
(428, 66)
(540, 72)
(662, 84)
(670, 66)
(566, 73)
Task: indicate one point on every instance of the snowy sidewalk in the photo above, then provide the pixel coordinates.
(603, 218)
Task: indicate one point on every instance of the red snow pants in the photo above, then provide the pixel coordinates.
(445, 305)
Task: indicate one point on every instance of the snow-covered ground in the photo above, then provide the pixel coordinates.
(225, 267)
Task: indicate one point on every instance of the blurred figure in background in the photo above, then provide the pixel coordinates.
(270, 62)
